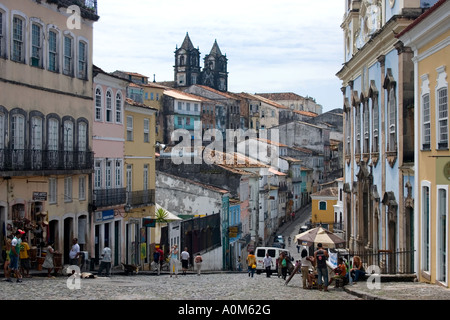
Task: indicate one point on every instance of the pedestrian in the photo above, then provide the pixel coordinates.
(298, 248)
(198, 263)
(239, 264)
(283, 264)
(357, 271)
(8, 241)
(14, 254)
(74, 252)
(48, 262)
(320, 257)
(289, 241)
(24, 256)
(173, 253)
(251, 263)
(306, 262)
(106, 261)
(161, 258)
(268, 263)
(184, 260)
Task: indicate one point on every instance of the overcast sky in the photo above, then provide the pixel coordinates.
(271, 46)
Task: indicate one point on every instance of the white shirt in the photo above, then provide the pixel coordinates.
(267, 261)
(73, 252)
(106, 253)
(185, 255)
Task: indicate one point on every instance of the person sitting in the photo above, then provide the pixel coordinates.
(341, 273)
(357, 272)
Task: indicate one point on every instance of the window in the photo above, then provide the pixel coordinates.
(68, 56)
(2, 129)
(426, 227)
(82, 60)
(36, 45)
(322, 205)
(180, 121)
(392, 122)
(145, 176)
(68, 189)
(366, 130)
(179, 105)
(129, 177)
(118, 107)
(36, 133)
(358, 128)
(129, 128)
(2, 34)
(108, 174)
(52, 51)
(426, 126)
(146, 130)
(53, 136)
(347, 132)
(18, 37)
(18, 132)
(98, 104)
(109, 111)
(188, 106)
(151, 96)
(442, 236)
(442, 108)
(68, 135)
(82, 136)
(118, 171)
(98, 174)
(52, 190)
(376, 124)
(82, 188)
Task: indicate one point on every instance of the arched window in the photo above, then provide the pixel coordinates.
(98, 104)
(109, 111)
(118, 107)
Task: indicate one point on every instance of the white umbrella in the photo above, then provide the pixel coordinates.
(318, 235)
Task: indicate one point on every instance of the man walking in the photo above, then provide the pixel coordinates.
(321, 256)
(268, 263)
(106, 261)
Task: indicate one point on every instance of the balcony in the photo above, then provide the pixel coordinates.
(142, 198)
(44, 160)
(109, 197)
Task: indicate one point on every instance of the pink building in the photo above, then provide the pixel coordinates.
(109, 194)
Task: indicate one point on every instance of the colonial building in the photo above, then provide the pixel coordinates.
(46, 99)
(428, 37)
(378, 99)
(139, 167)
(189, 72)
(109, 197)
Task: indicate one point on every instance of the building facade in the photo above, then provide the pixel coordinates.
(378, 95)
(109, 195)
(428, 37)
(45, 122)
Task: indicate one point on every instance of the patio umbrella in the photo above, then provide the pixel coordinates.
(318, 235)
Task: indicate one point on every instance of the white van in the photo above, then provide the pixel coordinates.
(274, 253)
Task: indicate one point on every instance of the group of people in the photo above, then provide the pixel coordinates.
(319, 262)
(174, 257)
(18, 261)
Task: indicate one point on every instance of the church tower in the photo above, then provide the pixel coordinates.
(215, 73)
(187, 64)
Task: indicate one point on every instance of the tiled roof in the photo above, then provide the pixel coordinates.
(306, 113)
(327, 192)
(282, 96)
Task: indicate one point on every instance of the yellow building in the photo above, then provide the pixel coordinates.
(46, 101)
(139, 157)
(153, 97)
(428, 37)
(322, 207)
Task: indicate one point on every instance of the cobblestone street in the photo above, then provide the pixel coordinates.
(213, 286)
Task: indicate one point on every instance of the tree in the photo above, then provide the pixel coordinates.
(161, 215)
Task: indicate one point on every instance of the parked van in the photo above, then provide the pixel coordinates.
(274, 253)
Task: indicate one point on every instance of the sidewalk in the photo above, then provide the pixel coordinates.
(399, 291)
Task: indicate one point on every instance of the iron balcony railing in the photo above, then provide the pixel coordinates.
(400, 261)
(40, 160)
(109, 197)
(141, 198)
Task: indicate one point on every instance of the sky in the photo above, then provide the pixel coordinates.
(272, 46)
